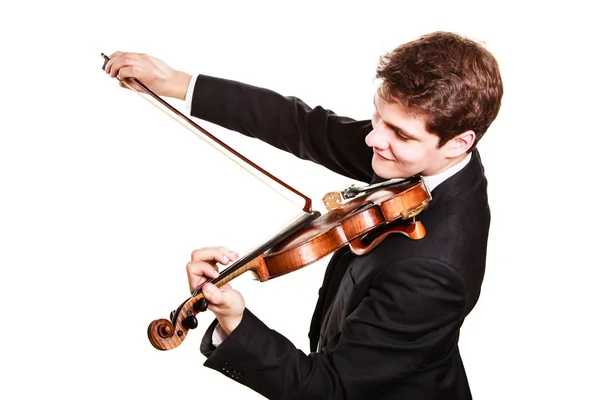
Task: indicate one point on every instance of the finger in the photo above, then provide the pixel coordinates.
(223, 301)
(125, 61)
(113, 58)
(118, 55)
(202, 268)
(213, 295)
(115, 54)
(130, 72)
(199, 272)
(216, 253)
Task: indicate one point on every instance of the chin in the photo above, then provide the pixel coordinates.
(387, 173)
(382, 172)
(389, 169)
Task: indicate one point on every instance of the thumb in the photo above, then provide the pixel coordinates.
(212, 293)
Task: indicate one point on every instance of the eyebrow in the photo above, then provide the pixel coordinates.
(396, 128)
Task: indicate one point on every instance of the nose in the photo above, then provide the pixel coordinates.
(377, 138)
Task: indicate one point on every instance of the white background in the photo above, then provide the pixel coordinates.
(103, 197)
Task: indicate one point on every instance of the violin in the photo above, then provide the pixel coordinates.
(357, 217)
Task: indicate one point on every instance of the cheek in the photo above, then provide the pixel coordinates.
(409, 152)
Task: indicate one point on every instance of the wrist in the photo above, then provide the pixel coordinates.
(179, 85)
(230, 323)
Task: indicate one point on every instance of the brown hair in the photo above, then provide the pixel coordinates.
(451, 82)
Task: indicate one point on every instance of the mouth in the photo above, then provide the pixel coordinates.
(379, 155)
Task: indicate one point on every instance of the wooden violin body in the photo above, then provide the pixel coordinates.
(389, 210)
(347, 226)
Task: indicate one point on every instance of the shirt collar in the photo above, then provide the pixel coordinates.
(434, 180)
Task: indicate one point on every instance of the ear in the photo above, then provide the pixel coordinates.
(460, 144)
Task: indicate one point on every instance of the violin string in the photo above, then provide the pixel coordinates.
(222, 274)
(294, 201)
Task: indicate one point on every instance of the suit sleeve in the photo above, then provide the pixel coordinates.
(287, 123)
(407, 323)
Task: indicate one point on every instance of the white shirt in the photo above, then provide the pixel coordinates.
(190, 94)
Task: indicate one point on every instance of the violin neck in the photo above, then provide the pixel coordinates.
(254, 260)
(250, 262)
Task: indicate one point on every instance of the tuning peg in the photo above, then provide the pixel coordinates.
(201, 305)
(190, 322)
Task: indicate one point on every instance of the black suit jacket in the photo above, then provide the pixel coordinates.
(386, 324)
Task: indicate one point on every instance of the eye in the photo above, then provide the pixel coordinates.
(401, 136)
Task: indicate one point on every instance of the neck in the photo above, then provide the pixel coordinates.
(449, 169)
(447, 164)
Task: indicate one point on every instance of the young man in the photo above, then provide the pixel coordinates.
(386, 325)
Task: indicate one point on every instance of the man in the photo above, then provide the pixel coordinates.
(386, 324)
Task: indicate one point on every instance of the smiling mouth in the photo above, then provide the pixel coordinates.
(380, 156)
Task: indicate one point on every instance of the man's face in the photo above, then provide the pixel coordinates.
(401, 145)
